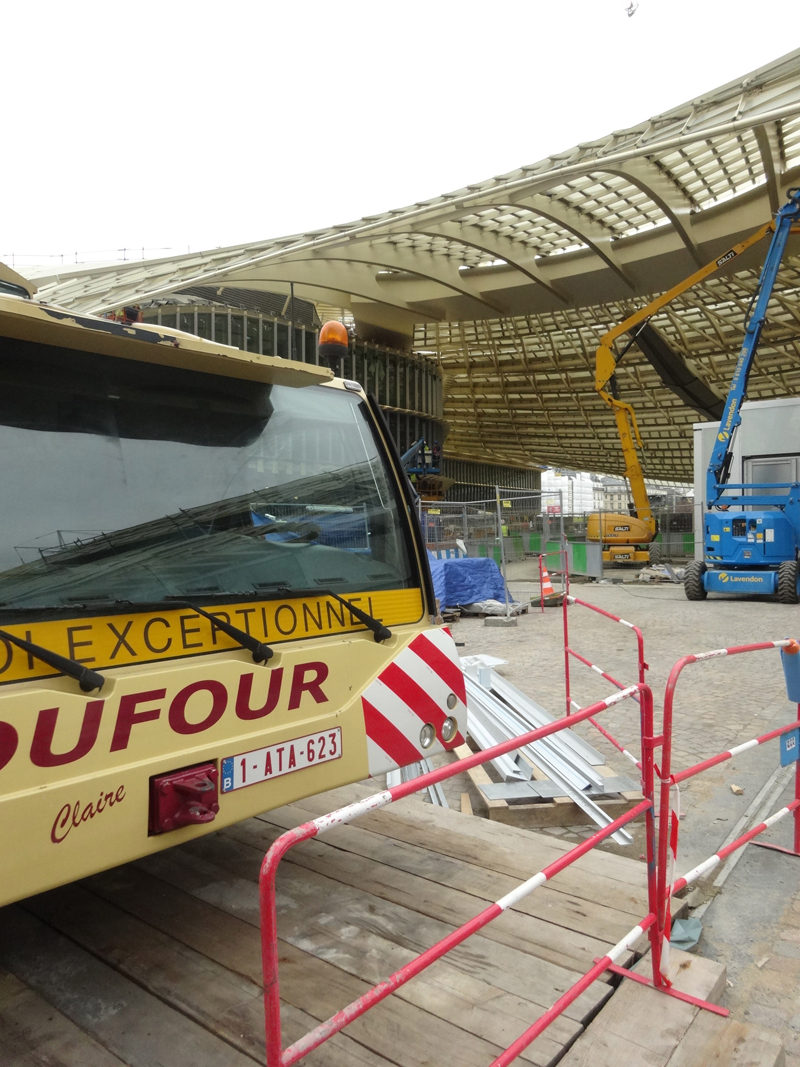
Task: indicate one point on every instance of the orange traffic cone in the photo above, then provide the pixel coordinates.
(547, 585)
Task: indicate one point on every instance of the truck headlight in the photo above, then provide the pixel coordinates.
(449, 729)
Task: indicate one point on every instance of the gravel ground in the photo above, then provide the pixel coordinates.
(752, 923)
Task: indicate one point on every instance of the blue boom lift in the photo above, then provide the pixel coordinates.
(746, 550)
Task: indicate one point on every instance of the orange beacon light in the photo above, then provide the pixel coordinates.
(333, 344)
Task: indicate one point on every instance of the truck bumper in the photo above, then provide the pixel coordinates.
(741, 582)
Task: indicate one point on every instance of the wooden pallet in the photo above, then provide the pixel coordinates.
(560, 811)
(158, 962)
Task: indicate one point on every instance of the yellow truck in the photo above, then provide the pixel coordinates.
(214, 595)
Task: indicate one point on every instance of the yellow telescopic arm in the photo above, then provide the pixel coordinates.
(606, 365)
(605, 361)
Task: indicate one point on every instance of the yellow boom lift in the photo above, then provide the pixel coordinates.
(623, 536)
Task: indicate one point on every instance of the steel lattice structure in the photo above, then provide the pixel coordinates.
(523, 386)
(511, 282)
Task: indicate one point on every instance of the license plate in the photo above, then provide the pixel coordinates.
(263, 764)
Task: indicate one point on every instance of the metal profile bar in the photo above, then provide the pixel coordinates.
(550, 766)
(416, 770)
(567, 761)
(481, 702)
(537, 716)
(504, 765)
(516, 719)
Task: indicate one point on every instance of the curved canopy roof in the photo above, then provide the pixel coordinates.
(511, 282)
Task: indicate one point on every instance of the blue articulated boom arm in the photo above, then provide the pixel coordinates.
(719, 465)
(408, 458)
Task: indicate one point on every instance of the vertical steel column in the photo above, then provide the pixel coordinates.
(502, 548)
(564, 606)
(562, 542)
(647, 756)
(663, 904)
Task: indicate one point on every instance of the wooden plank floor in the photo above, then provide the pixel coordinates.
(640, 1027)
(158, 962)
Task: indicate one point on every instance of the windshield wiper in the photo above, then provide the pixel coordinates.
(261, 652)
(88, 680)
(381, 632)
(283, 592)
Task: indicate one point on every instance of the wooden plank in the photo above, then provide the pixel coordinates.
(479, 776)
(559, 811)
(133, 1024)
(576, 911)
(698, 1043)
(214, 996)
(33, 1034)
(466, 804)
(385, 933)
(601, 863)
(715, 1042)
(641, 1026)
(396, 1029)
(696, 975)
(486, 989)
(550, 925)
(599, 876)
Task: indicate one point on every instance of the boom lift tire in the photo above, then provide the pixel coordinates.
(693, 581)
(787, 582)
(654, 552)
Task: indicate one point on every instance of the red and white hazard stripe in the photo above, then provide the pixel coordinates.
(672, 857)
(713, 861)
(411, 691)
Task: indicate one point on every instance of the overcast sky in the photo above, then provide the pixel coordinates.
(196, 124)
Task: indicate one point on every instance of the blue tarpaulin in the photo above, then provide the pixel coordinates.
(466, 581)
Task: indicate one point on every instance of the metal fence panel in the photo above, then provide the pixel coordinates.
(519, 525)
(514, 529)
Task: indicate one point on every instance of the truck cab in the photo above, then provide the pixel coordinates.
(214, 596)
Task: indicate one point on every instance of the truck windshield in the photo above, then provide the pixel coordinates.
(126, 481)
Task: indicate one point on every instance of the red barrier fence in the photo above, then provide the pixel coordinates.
(641, 665)
(278, 1057)
(661, 854)
(669, 782)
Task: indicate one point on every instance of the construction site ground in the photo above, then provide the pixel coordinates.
(751, 923)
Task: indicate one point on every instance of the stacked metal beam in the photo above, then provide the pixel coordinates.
(497, 711)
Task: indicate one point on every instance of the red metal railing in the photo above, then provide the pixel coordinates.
(642, 666)
(661, 854)
(278, 1057)
(668, 820)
